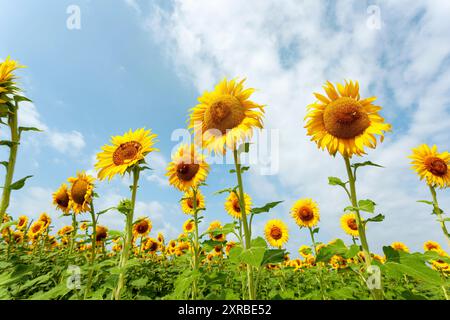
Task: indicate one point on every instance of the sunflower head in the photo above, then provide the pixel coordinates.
(22, 222)
(215, 227)
(349, 224)
(160, 238)
(66, 230)
(343, 122)
(36, 229)
(101, 233)
(431, 165)
(399, 246)
(230, 245)
(124, 152)
(45, 218)
(80, 192)
(189, 226)
(232, 206)
(188, 168)
(225, 116)
(142, 227)
(187, 202)
(338, 262)
(276, 233)
(7, 69)
(152, 245)
(305, 213)
(379, 258)
(431, 246)
(304, 250)
(61, 199)
(83, 226)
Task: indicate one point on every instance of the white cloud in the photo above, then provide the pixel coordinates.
(71, 142)
(290, 54)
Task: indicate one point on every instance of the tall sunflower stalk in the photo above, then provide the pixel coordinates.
(433, 167)
(9, 109)
(196, 251)
(126, 154)
(341, 121)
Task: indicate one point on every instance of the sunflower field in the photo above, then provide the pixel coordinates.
(225, 259)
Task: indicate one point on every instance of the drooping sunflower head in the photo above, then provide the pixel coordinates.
(215, 228)
(187, 202)
(349, 224)
(431, 165)
(151, 245)
(225, 116)
(160, 238)
(124, 152)
(22, 222)
(399, 246)
(66, 230)
(142, 227)
(233, 208)
(276, 233)
(431, 246)
(101, 233)
(304, 250)
(45, 218)
(343, 122)
(188, 168)
(306, 213)
(80, 192)
(189, 226)
(440, 265)
(61, 199)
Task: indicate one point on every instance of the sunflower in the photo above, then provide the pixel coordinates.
(125, 152)
(230, 245)
(306, 213)
(379, 258)
(399, 246)
(276, 233)
(232, 206)
(304, 250)
(45, 218)
(188, 168)
(142, 227)
(216, 226)
(187, 202)
(441, 265)
(84, 226)
(218, 251)
(65, 230)
(189, 226)
(7, 68)
(431, 246)
(80, 193)
(338, 262)
(151, 245)
(36, 229)
(431, 165)
(160, 238)
(101, 233)
(349, 224)
(22, 222)
(225, 117)
(342, 122)
(61, 199)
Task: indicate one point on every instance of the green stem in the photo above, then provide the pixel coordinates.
(15, 138)
(128, 236)
(196, 246)
(438, 212)
(74, 232)
(93, 250)
(247, 234)
(319, 267)
(377, 293)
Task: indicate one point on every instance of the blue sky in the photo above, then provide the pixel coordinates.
(143, 63)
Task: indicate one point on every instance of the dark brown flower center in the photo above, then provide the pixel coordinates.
(126, 151)
(142, 227)
(187, 171)
(343, 118)
(78, 192)
(225, 113)
(352, 224)
(276, 233)
(305, 214)
(62, 200)
(236, 205)
(436, 166)
(190, 203)
(101, 234)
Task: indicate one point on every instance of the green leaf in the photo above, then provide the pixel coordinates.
(426, 201)
(352, 251)
(336, 248)
(366, 205)
(18, 98)
(253, 256)
(19, 183)
(377, 218)
(273, 256)
(266, 207)
(139, 283)
(367, 163)
(106, 210)
(29, 129)
(5, 163)
(229, 190)
(7, 143)
(334, 181)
